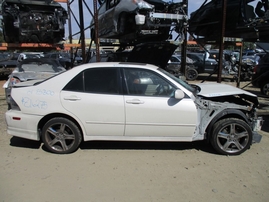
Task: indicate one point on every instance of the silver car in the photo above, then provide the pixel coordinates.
(139, 21)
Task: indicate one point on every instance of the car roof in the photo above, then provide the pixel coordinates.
(115, 64)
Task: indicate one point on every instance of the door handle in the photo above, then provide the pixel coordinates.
(134, 101)
(72, 98)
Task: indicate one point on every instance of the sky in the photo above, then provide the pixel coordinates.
(193, 5)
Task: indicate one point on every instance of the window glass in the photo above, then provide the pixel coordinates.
(76, 84)
(101, 80)
(97, 80)
(102, 9)
(174, 59)
(147, 83)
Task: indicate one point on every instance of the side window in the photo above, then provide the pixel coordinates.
(147, 83)
(96, 80)
(174, 59)
(76, 84)
(101, 80)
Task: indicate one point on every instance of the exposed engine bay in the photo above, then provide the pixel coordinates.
(35, 21)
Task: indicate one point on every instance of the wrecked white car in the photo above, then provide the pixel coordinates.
(139, 21)
(131, 102)
(31, 69)
(33, 21)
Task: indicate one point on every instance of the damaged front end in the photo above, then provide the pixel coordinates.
(224, 102)
(165, 17)
(34, 21)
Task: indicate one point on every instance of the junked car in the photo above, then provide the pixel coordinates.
(247, 19)
(260, 77)
(174, 67)
(131, 102)
(33, 21)
(203, 64)
(31, 69)
(134, 22)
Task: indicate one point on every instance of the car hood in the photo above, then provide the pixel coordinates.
(156, 53)
(217, 90)
(226, 93)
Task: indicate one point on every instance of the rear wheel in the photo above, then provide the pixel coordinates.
(61, 136)
(265, 88)
(231, 136)
(191, 74)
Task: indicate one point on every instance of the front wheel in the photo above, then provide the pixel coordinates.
(61, 136)
(231, 136)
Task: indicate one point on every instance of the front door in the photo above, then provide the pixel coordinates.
(151, 109)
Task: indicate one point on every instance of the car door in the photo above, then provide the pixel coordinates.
(106, 18)
(94, 98)
(152, 110)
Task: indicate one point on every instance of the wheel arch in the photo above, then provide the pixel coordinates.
(46, 118)
(228, 113)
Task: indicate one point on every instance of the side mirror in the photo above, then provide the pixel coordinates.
(179, 94)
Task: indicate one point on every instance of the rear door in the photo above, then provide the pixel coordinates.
(94, 98)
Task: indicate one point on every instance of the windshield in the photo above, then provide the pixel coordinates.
(179, 81)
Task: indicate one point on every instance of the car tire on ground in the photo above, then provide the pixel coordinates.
(231, 136)
(265, 88)
(191, 74)
(61, 135)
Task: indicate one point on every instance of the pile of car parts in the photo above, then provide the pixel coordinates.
(34, 21)
(243, 20)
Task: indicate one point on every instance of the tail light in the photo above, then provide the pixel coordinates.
(13, 81)
(255, 69)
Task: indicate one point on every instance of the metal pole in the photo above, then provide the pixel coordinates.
(184, 44)
(239, 67)
(82, 31)
(96, 31)
(70, 32)
(221, 42)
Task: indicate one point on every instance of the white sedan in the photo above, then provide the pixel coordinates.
(131, 102)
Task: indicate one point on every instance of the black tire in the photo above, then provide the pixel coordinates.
(61, 136)
(265, 88)
(231, 136)
(191, 74)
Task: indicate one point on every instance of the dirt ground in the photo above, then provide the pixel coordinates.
(127, 171)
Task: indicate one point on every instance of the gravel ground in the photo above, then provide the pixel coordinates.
(127, 171)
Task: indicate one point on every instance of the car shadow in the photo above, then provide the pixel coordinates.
(24, 143)
(136, 145)
(121, 145)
